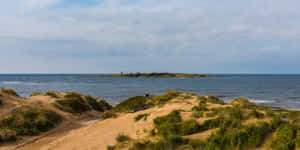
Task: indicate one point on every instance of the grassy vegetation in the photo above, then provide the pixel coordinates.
(122, 142)
(75, 103)
(10, 91)
(162, 99)
(109, 114)
(52, 94)
(7, 135)
(141, 116)
(211, 99)
(284, 138)
(129, 104)
(98, 104)
(242, 102)
(30, 122)
(35, 94)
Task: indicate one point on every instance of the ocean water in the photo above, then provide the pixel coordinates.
(271, 90)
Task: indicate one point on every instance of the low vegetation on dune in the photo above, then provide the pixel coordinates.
(10, 91)
(75, 103)
(52, 94)
(162, 99)
(211, 99)
(129, 104)
(240, 125)
(28, 122)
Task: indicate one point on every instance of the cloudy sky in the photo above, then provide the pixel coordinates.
(193, 36)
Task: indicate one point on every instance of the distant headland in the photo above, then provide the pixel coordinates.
(155, 75)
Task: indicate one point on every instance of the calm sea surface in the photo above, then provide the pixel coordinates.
(274, 90)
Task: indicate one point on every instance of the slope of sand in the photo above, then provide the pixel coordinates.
(100, 134)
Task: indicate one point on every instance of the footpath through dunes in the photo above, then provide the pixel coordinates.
(175, 120)
(43, 117)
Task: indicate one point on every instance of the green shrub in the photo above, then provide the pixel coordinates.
(7, 135)
(31, 122)
(255, 114)
(270, 113)
(162, 99)
(211, 114)
(35, 94)
(200, 107)
(284, 138)
(73, 103)
(109, 114)
(52, 94)
(197, 114)
(242, 102)
(172, 124)
(140, 116)
(173, 117)
(214, 100)
(10, 91)
(250, 136)
(98, 104)
(169, 143)
(109, 147)
(122, 138)
(293, 115)
(129, 104)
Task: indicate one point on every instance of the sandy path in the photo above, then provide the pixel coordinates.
(100, 134)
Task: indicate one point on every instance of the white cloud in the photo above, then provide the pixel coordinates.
(208, 29)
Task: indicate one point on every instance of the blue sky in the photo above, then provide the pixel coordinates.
(193, 36)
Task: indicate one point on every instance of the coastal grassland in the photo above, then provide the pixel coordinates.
(75, 103)
(9, 91)
(129, 104)
(239, 125)
(28, 122)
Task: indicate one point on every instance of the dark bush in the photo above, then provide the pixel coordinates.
(52, 94)
(10, 91)
(256, 114)
(243, 102)
(129, 104)
(162, 99)
(31, 122)
(284, 138)
(141, 116)
(7, 135)
(109, 114)
(123, 138)
(73, 103)
(98, 104)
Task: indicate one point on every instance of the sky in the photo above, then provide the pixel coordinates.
(110, 36)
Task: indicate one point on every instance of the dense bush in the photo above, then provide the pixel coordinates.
(141, 116)
(35, 94)
(201, 107)
(242, 102)
(98, 104)
(129, 104)
(7, 135)
(284, 138)
(31, 122)
(109, 114)
(172, 124)
(293, 115)
(123, 138)
(73, 103)
(162, 99)
(250, 136)
(10, 91)
(256, 114)
(211, 99)
(52, 94)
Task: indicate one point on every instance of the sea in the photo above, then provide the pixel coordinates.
(267, 89)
